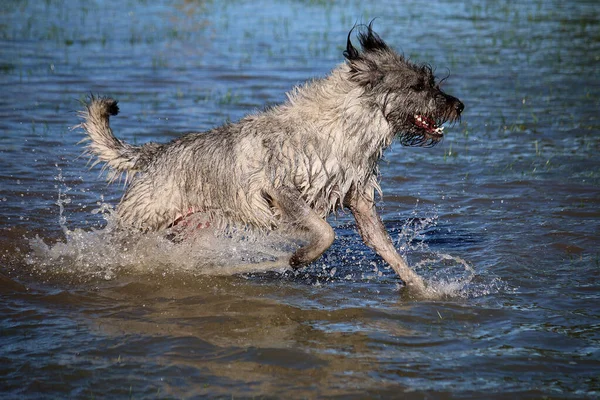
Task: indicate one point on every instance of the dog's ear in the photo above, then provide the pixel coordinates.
(351, 53)
(371, 41)
(363, 68)
(365, 72)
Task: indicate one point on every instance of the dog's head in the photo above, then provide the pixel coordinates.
(406, 93)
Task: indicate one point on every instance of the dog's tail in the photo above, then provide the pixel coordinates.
(118, 156)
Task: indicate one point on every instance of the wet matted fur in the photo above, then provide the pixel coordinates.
(290, 166)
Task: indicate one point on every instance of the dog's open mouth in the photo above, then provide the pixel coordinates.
(428, 125)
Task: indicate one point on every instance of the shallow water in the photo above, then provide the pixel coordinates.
(502, 217)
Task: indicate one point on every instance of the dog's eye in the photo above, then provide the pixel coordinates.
(418, 87)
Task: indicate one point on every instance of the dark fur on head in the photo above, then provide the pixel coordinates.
(406, 93)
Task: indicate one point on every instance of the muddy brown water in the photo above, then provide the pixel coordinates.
(502, 216)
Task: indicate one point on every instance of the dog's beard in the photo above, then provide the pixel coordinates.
(419, 130)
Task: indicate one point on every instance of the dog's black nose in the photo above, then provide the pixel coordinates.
(459, 106)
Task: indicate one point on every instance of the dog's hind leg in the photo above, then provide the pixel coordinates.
(376, 237)
(295, 212)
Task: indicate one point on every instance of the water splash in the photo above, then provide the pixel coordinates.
(62, 199)
(446, 275)
(109, 252)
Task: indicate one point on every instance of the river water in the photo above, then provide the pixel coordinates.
(502, 217)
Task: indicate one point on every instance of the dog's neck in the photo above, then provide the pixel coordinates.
(323, 100)
(342, 131)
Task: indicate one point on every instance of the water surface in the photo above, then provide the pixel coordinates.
(503, 216)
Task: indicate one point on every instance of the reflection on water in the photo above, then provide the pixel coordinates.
(501, 218)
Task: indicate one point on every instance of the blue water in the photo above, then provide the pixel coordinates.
(503, 216)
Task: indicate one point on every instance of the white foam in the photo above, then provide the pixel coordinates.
(448, 276)
(105, 253)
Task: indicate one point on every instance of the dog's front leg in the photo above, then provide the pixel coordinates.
(300, 217)
(375, 236)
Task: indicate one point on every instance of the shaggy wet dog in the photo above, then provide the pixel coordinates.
(287, 168)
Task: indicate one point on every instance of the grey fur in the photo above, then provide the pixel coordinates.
(292, 165)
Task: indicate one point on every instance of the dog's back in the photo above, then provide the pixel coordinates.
(212, 172)
(231, 171)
